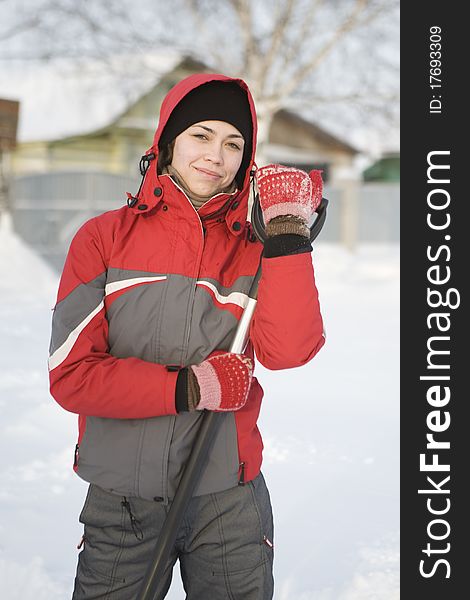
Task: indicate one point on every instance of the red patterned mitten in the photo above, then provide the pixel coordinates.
(224, 381)
(288, 191)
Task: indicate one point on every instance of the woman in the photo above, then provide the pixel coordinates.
(148, 303)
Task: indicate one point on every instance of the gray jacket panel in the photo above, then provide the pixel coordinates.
(145, 457)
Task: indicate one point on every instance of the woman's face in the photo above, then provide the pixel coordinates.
(208, 155)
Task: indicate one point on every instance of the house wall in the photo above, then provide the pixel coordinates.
(116, 151)
(297, 145)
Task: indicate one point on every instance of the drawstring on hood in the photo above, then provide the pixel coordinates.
(144, 164)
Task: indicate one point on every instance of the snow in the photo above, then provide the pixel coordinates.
(330, 429)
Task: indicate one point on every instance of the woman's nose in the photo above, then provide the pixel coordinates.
(214, 154)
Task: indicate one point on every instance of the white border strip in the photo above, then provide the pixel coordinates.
(237, 298)
(63, 351)
(115, 286)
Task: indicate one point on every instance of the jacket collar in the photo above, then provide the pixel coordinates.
(163, 189)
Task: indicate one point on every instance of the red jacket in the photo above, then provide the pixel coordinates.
(160, 285)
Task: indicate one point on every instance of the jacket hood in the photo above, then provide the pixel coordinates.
(148, 197)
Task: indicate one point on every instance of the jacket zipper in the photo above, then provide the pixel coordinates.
(268, 542)
(193, 291)
(76, 455)
(217, 212)
(135, 523)
(241, 480)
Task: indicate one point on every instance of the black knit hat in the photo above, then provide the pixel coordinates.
(213, 101)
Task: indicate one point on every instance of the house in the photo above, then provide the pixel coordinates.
(116, 146)
(79, 147)
(387, 168)
(309, 147)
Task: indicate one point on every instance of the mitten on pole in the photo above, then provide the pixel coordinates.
(220, 383)
(288, 198)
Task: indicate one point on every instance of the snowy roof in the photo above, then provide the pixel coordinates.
(62, 99)
(66, 98)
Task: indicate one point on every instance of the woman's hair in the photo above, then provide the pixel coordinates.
(165, 156)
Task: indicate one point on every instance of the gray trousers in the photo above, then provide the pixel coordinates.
(224, 545)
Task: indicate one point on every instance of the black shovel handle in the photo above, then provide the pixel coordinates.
(209, 426)
(210, 423)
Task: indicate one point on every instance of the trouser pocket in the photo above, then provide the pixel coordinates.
(120, 536)
(98, 573)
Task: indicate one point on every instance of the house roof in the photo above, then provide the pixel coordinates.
(58, 102)
(317, 132)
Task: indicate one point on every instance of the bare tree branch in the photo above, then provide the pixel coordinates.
(279, 35)
(201, 27)
(307, 101)
(346, 26)
(293, 50)
(379, 11)
(243, 10)
(19, 28)
(285, 49)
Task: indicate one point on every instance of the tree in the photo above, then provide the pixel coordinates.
(334, 59)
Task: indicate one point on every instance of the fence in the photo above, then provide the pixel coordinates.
(48, 208)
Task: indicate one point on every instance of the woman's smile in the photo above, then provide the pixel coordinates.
(208, 173)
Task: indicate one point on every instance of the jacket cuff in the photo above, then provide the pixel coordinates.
(181, 391)
(286, 244)
(287, 224)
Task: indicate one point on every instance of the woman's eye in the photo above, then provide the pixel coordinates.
(234, 146)
(200, 136)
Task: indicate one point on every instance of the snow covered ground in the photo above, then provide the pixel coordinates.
(331, 432)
